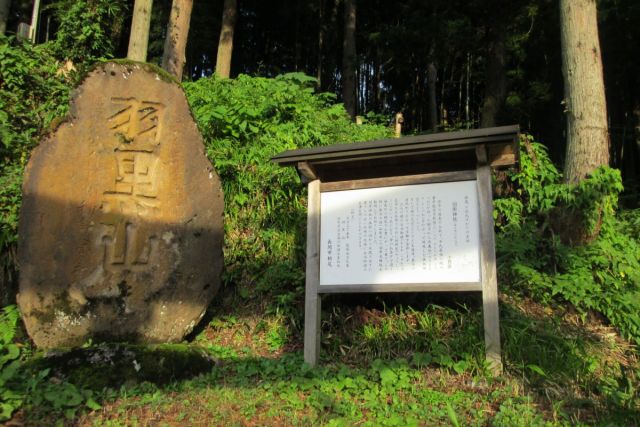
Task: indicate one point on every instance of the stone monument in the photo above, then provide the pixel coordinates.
(121, 227)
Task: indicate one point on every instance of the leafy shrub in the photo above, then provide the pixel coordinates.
(602, 275)
(32, 94)
(88, 29)
(9, 363)
(246, 121)
(21, 387)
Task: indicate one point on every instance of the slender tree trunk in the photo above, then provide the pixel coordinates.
(297, 58)
(320, 42)
(359, 80)
(175, 44)
(460, 81)
(225, 46)
(35, 19)
(139, 38)
(5, 7)
(585, 103)
(371, 71)
(332, 67)
(468, 99)
(443, 111)
(432, 106)
(495, 79)
(349, 58)
(376, 85)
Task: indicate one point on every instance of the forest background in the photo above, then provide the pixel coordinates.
(472, 47)
(570, 307)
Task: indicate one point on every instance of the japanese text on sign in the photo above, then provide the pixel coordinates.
(425, 233)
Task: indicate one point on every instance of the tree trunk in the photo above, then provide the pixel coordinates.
(35, 19)
(297, 54)
(5, 7)
(585, 103)
(443, 111)
(495, 79)
(140, 23)
(175, 43)
(349, 58)
(460, 82)
(432, 106)
(225, 45)
(320, 42)
(467, 101)
(377, 106)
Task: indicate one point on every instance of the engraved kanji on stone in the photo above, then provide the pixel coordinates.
(136, 123)
(129, 209)
(136, 174)
(129, 241)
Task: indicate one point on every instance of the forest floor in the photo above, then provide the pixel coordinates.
(401, 361)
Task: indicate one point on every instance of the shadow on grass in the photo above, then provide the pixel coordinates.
(553, 359)
(117, 365)
(567, 367)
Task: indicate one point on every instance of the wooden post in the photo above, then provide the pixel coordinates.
(398, 125)
(488, 264)
(312, 301)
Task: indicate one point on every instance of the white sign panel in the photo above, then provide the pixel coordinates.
(426, 233)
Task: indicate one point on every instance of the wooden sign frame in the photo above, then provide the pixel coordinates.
(481, 151)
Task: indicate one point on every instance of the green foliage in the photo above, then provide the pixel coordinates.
(602, 275)
(88, 29)
(246, 121)
(9, 363)
(32, 94)
(434, 336)
(21, 387)
(513, 413)
(10, 197)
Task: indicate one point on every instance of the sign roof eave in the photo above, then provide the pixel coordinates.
(401, 146)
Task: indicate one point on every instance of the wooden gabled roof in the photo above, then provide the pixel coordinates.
(412, 154)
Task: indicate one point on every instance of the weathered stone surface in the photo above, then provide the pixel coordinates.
(121, 224)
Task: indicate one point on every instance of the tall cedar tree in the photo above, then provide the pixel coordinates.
(140, 23)
(175, 43)
(349, 58)
(432, 106)
(586, 108)
(321, 30)
(225, 45)
(496, 76)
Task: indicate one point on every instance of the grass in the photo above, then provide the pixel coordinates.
(403, 360)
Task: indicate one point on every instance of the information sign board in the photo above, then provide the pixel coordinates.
(413, 214)
(425, 233)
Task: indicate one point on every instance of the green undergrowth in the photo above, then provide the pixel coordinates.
(536, 256)
(245, 121)
(557, 373)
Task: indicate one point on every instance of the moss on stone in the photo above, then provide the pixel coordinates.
(152, 68)
(60, 303)
(117, 365)
(55, 124)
